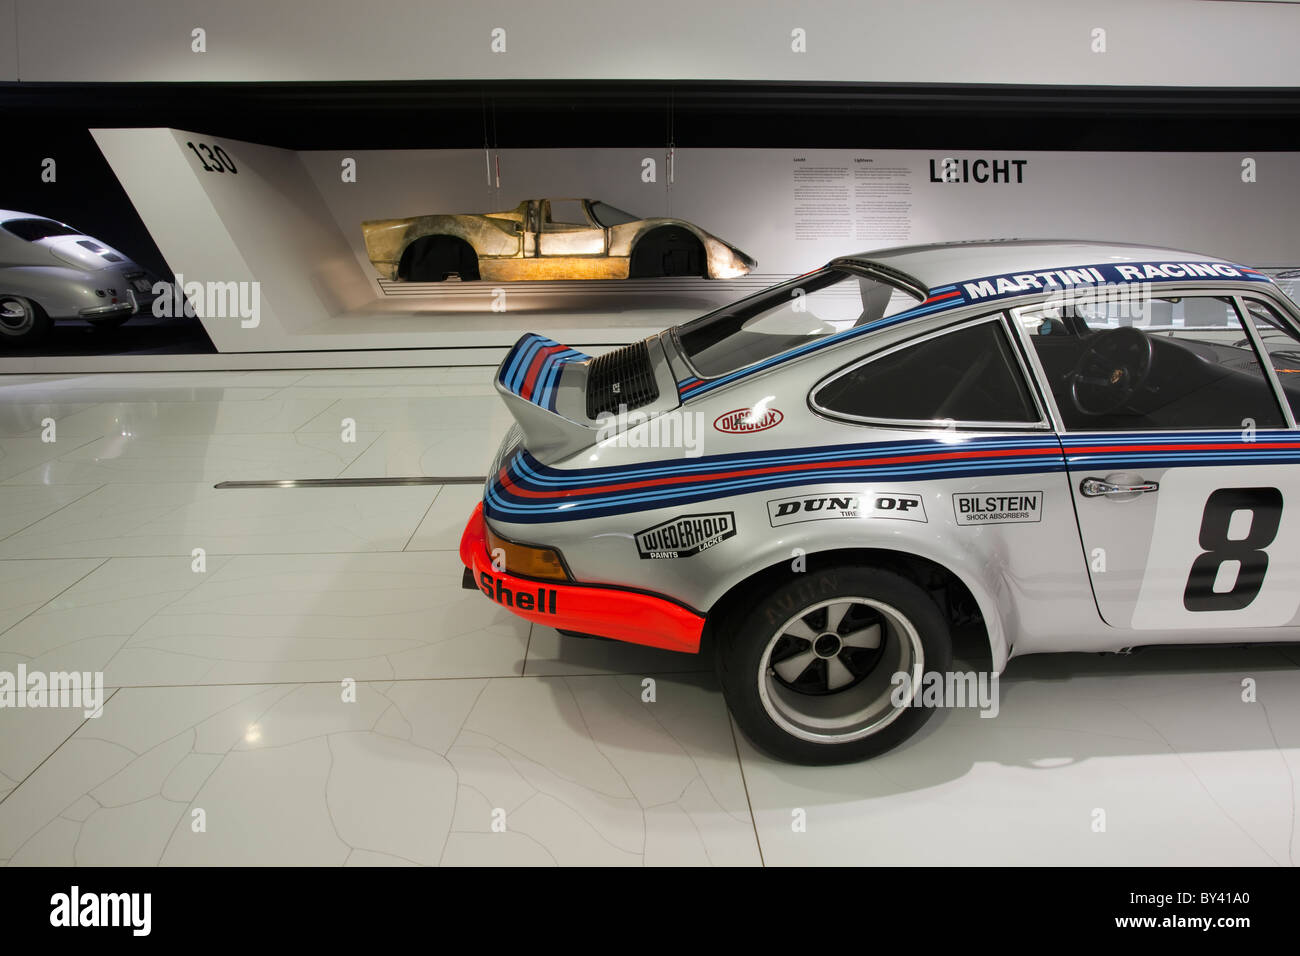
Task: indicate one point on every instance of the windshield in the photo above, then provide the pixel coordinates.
(608, 216)
(34, 229)
(795, 313)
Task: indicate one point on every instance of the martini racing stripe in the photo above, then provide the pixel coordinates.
(532, 368)
(544, 475)
(525, 491)
(1138, 450)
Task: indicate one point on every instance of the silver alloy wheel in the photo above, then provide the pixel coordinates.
(815, 691)
(17, 316)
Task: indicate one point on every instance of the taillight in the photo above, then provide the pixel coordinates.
(524, 559)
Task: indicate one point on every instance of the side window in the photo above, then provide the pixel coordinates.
(966, 375)
(1178, 362)
(565, 214)
(1283, 347)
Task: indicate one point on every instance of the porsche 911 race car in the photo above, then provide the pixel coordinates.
(1076, 446)
(548, 239)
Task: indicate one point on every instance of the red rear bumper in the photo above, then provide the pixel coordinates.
(603, 611)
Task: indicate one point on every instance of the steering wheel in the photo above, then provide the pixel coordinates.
(1110, 371)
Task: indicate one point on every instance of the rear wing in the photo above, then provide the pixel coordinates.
(530, 381)
(564, 399)
(533, 368)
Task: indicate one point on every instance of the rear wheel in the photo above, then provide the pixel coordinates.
(22, 320)
(435, 258)
(667, 252)
(813, 670)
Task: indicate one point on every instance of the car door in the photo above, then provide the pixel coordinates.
(1181, 458)
(567, 230)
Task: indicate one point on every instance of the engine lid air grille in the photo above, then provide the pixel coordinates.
(622, 377)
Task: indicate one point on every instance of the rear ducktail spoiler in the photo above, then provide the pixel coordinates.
(537, 377)
(565, 400)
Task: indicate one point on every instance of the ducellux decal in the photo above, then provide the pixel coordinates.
(742, 421)
(685, 536)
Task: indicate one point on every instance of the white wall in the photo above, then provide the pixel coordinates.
(1149, 42)
(8, 39)
(291, 223)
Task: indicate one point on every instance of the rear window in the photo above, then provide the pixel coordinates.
(801, 311)
(35, 229)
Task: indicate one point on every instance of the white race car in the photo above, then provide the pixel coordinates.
(1080, 446)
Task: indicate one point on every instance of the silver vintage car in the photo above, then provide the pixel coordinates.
(1070, 446)
(50, 271)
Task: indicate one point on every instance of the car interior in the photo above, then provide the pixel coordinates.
(1161, 376)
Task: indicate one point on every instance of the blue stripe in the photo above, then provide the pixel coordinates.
(520, 369)
(1182, 437)
(514, 369)
(546, 391)
(572, 509)
(528, 473)
(545, 476)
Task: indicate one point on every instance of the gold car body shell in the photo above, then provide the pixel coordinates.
(508, 251)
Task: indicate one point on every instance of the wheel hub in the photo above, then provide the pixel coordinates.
(828, 673)
(827, 645)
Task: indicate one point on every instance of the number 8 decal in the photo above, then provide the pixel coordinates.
(1265, 508)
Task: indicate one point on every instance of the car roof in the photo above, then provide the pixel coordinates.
(8, 214)
(945, 263)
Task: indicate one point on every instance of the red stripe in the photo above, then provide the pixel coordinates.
(539, 360)
(946, 295)
(1220, 446)
(515, 489)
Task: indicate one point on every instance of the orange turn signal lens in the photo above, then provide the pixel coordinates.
(525, 560)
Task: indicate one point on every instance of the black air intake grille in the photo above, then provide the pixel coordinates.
(622, 377)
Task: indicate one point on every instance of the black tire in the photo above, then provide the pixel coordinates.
(672, 251)
(763, 703)
(22, 321)
(435, 258)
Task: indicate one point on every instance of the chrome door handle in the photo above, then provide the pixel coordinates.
(1102, 487)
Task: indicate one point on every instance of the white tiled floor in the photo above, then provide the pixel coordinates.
(322, 690)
